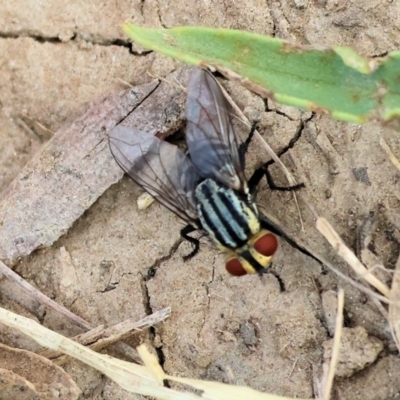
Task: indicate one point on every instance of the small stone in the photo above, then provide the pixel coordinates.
(361, 175)
(328, 193)
(248, 333)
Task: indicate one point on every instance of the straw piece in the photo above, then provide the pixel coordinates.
(343, 251)
(336, 347)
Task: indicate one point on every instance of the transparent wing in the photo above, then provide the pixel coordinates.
(212, 142)
(158, 167)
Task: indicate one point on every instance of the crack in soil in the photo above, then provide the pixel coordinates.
(33, 36)
(147, 303)
(141, 7)
(152, 270)
(274, 23)
(152, 329)
(76, 37)
(159, 16)
(280, 113)
(294, 139)
(268, 110)
(134, 108)
(384, 54)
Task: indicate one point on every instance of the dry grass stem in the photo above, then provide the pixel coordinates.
(328, 381)
(175, 84)
(145, 380)
(394, 309)
(356, 284)
(127, 84)
(39, 296)
(390, 154)
(343, 251)
(101, 337)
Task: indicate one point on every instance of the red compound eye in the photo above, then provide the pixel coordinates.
(234, 267)
(267, 245)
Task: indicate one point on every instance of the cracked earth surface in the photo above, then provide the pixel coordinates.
(124, 262)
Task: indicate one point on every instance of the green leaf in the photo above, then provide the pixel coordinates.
(336, 81)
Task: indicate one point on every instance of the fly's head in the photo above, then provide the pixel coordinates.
(254, 257)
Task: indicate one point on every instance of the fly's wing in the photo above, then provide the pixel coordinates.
(212, 142)
(158, 167)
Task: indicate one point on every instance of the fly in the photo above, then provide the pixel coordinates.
(206, 187)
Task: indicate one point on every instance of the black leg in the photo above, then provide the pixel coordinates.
(267, 224)
(196, 244)
(279, 279)
(255, 179)
(272, 185)
(260, 172)
(263, 171)
(271, 271)
(244, 146)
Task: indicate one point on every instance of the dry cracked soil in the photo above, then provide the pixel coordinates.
(123, 262)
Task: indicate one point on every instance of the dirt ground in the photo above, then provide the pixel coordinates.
(124, 262)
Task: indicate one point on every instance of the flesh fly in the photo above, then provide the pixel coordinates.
(206, 187)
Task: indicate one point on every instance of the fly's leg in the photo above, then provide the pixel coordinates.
(271, 226)
(263, 171)
(273, 272)
(244, 146)
(272, 185)
(195, 242)
(279, 279)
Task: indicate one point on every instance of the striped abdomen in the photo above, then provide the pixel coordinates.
(226, 217)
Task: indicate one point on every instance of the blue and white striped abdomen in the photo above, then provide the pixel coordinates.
(228, 219)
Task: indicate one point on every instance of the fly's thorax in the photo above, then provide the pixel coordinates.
(229, 217)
